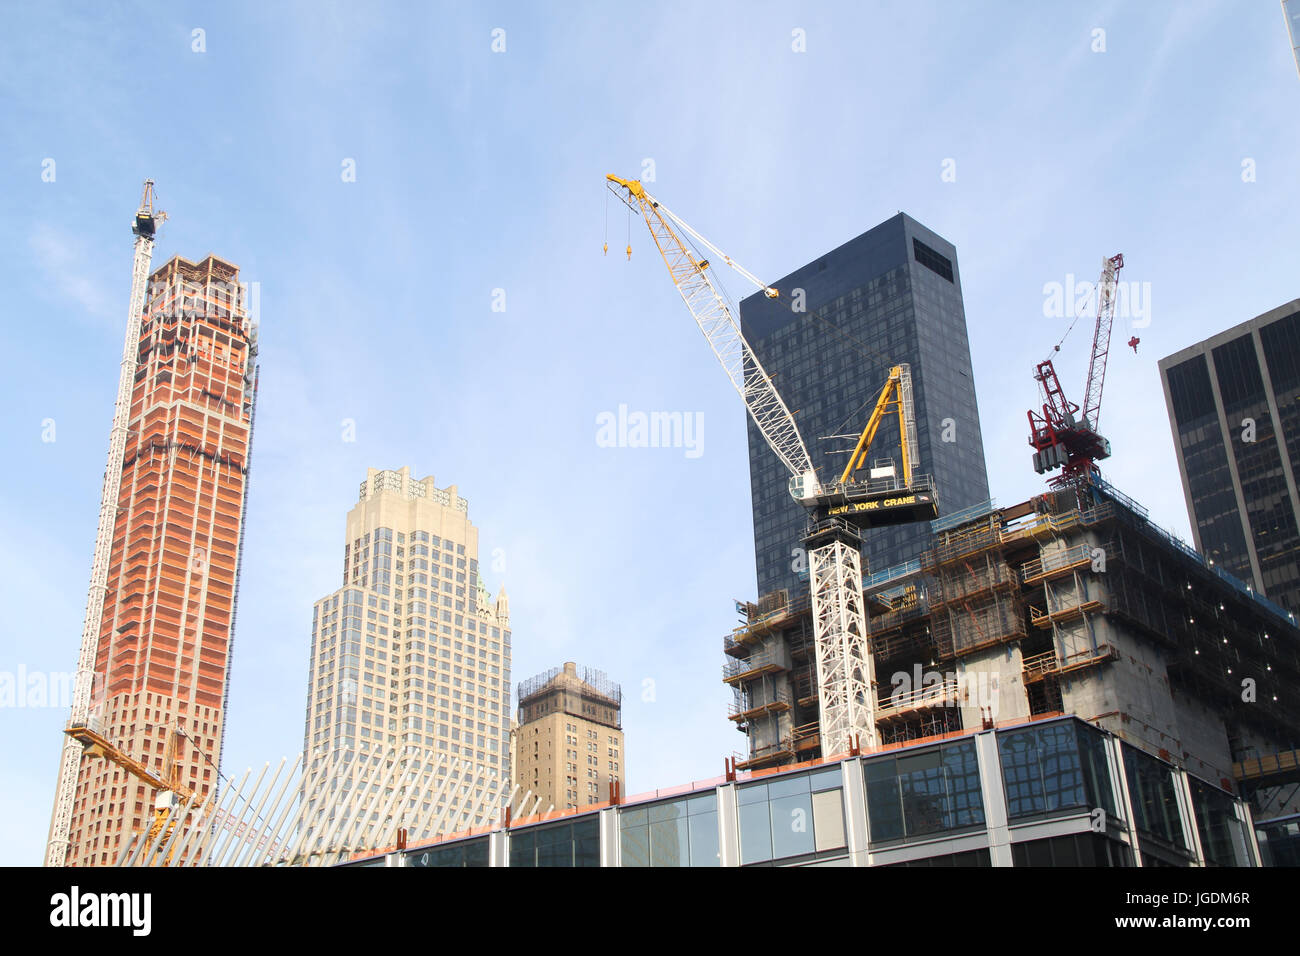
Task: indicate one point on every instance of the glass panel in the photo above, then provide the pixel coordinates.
(923, 790)
(966, 802)
(554, 846)
(828, 820)
(1021, 774)
(704, 803)
(829, 779)
(669, 843)
(586, 842)
(757, 793)
(1222, 837)
(883, 806)
(704, 838)
(787, 786)
(634, 818)
(1096, 769)
(635, 846)
(755, 833)
(523, 848)
(672, 810)
(792, 825)
(1062, 771)
(1155, 803)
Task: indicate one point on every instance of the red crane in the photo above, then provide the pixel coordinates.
(1060, 436)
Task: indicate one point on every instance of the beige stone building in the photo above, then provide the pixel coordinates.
(410, 662)
(569, 739)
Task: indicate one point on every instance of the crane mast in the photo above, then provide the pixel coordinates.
(1101, 340)
(144, 227)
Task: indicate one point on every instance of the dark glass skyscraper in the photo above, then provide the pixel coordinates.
(1234, 407)
(891, 295)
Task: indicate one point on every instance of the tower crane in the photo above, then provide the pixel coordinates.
(144, 226)
(1062, 435)
(171, 793)
(838, 511)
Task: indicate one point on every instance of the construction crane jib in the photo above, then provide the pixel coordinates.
(708, 306)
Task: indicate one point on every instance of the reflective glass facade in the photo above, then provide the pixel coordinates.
(672, 833)
(574, 843)
(921, 793)
(1223, 835)
(1019, 796)
(795, 815)
(1058, 767)
(1153, 791)
(891, 295)
(1234, 406)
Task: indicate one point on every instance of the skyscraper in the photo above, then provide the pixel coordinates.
(163, 657)
(410, 659)
(891, 295)
(569, 744)
(1234, 407)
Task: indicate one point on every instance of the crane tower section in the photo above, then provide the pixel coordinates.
(145, 226)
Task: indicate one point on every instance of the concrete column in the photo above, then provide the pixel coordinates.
(610, 845)
(994, 797)
(728, 826)
(857, 831)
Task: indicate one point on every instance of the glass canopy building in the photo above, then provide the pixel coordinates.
(1051, 792)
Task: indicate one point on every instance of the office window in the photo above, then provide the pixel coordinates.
(564, 844)
(791, 816)
(1155, 804)
(915, 794)
(1059, 767)
(464, 853)
(1223, 838)
(932, 260)
(680, 832)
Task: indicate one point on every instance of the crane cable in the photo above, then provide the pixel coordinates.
(1057, 347)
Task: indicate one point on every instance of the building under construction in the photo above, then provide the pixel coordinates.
(568, 746)
(1072, 603)
(160, 625)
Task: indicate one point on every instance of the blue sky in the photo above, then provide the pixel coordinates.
(478, 171)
